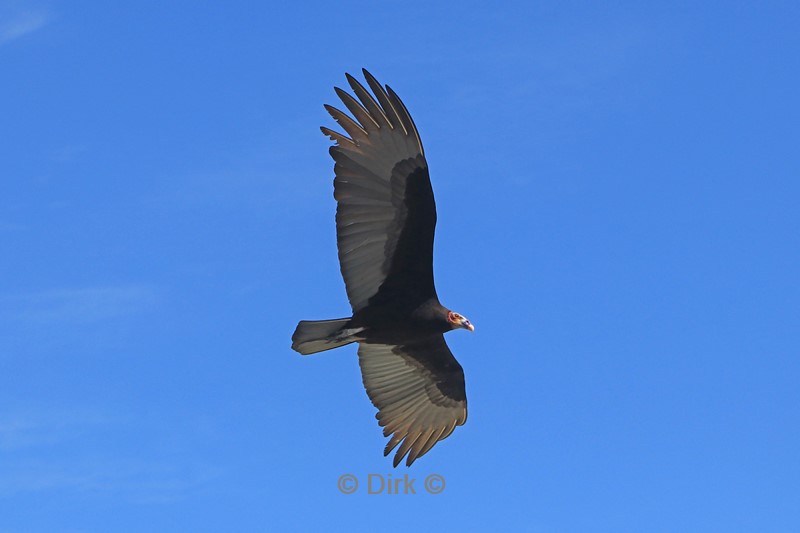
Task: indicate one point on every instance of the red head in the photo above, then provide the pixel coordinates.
(459, 321)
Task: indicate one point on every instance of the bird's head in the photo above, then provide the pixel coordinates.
(459, 321)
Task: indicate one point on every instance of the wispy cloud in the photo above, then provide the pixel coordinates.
(22, 23)
(68, 152)
(8, 227)
(88, 319)
(57, 449)
(137, 481)
(34, 428)
(77, 305)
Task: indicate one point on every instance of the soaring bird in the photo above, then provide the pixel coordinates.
(385, 221)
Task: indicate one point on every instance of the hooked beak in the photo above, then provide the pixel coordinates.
(466, 324)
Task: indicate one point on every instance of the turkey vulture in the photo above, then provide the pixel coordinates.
(385, 220)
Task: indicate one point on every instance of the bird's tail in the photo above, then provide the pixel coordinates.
(312, 336)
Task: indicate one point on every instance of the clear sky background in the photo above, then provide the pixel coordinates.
(617, 186)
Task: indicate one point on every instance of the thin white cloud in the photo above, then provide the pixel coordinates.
(68, 152)
(81, 305)
(56, 449)
(9, 227)
(35, 428)
(133, 480)
(21, 24)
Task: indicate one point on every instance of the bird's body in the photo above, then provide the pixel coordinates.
(385, 224)
(385, 325)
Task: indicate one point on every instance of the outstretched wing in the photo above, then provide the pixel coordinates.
(386, 214)
(419, 391)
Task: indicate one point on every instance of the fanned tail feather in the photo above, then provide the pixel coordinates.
(312, 336)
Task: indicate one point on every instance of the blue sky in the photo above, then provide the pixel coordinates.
(617, 187)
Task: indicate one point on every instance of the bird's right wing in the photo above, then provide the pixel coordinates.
(386, 213)
(419, 391)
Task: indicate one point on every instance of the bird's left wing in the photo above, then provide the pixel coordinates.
(419, 391)
(386, 215)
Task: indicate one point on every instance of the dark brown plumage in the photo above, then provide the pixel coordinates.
(385, 221)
